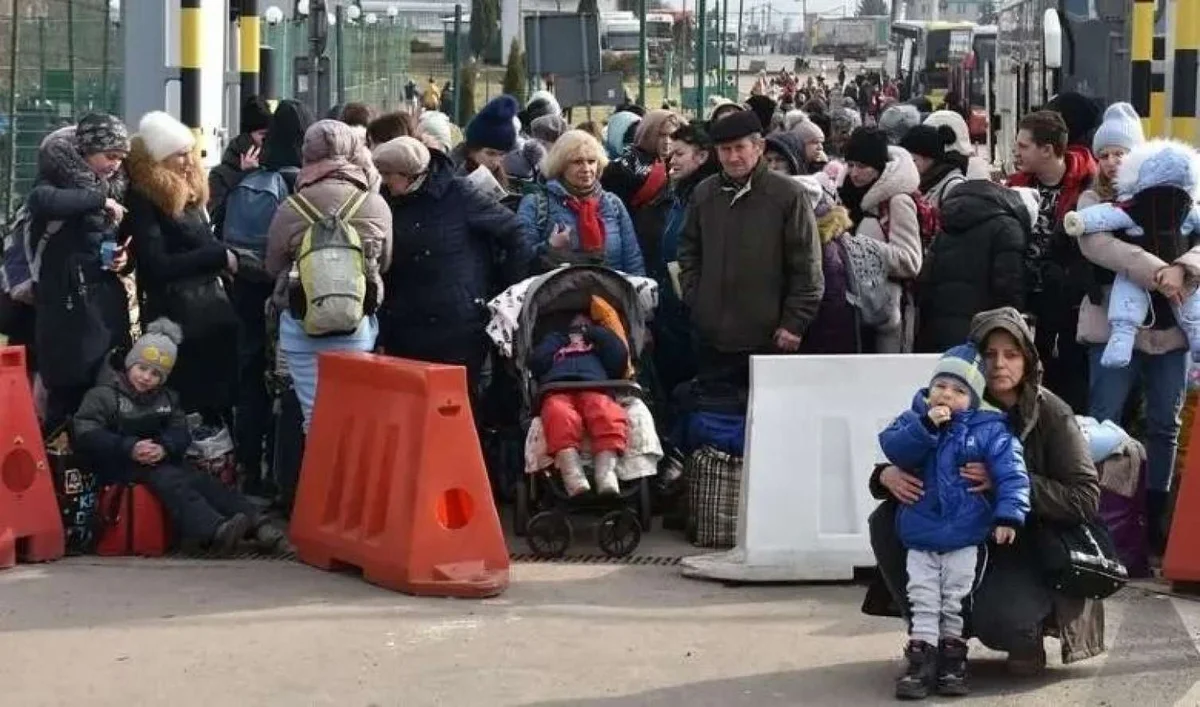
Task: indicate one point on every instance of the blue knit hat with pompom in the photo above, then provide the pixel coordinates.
(494, 126)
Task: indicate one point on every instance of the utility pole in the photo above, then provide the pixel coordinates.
(642, 53)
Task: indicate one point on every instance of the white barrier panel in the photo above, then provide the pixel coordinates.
(811, 443)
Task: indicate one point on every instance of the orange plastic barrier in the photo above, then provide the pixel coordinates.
(30, 526)
(394, 482)
(1181, 563)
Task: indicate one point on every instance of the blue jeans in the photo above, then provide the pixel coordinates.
(1164, 378)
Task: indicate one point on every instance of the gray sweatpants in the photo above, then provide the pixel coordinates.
(937, 584)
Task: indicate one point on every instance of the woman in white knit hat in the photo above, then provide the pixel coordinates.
(180, 264)
(977, 167)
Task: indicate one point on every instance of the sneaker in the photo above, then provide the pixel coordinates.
(920, 676)
(1030, 663)
(570, 468)
(233, 530)
(607, 483)
(952, 668)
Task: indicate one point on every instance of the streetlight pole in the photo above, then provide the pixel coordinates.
(642, 53)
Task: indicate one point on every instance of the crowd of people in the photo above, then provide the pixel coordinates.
(805, 225)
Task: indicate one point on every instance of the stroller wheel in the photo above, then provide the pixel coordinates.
(619, 533)
(548, 534)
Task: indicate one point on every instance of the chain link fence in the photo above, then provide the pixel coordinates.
(59, 59)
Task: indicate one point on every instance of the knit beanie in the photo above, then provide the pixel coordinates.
(164, 136)
(1080, 113)
(928, 141)
(542, 103)
(256, 115)
(764, 108)
(548, 128)
(493, 126)
(867, 146)
(809, 131)
(158, 348)
(1121, 128)
(964, 364)
(100, 132)
(954, 121)
(402, 155)
(436, 124)
(898, 120)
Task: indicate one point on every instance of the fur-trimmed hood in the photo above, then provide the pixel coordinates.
(1159, 163)
(900, 176)
(59, 163)
(170, 191)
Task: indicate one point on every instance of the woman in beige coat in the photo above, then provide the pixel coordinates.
(337, 168)
(877, 192)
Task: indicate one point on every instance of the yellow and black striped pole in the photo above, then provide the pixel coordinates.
(1186, 30)
(248, 41)
(1158, 89)
(1141, 57)
(189, 66)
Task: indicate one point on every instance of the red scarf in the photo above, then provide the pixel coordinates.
(588, 221)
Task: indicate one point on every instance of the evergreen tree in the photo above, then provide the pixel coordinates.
(485, 26)
(466, 101)
(588, 7)
(514, 75)
(872, 7)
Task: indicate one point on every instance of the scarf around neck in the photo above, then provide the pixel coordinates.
(586, 207)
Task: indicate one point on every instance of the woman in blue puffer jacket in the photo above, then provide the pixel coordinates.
(574, 219)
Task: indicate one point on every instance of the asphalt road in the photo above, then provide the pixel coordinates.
(174, 632)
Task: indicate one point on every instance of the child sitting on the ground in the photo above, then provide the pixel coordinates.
(586, 352)
(948, 426)
(131, 428)
(1157, 182)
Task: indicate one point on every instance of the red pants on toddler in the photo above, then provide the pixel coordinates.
(566, 416)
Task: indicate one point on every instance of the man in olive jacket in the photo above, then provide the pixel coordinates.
(749, 256)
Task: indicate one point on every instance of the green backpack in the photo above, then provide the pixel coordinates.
(329, 292)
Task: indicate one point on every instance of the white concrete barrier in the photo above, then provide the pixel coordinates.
(811, 442)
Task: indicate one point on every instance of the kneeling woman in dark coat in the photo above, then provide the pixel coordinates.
(180, 264)
(448, 239)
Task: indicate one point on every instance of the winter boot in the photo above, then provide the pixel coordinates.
(270, 539)
(229, 534)
(920, 676)
(1027, 663)
(952, 668)
(606, 474)
(571, 470)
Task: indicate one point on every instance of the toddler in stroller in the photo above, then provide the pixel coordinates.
(585, 353)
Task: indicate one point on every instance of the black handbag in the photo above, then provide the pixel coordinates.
(1081, 560)
(200, 305)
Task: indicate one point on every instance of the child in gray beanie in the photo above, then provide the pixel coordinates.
(132, 429)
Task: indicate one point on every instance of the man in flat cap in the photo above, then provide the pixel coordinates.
(749, 256)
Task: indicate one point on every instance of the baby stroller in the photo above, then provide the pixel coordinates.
(544, 511)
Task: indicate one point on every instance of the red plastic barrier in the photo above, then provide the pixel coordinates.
(394, 482)
(30, 527)
(134, 522)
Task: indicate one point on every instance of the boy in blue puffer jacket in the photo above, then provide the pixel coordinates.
(948, 426)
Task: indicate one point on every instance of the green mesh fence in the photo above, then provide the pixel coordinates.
(59, 59)
(379, 58)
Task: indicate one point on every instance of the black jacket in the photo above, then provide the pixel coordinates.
(82, 309)
(975, 263)
(114, 417)
(224, 177)
(448, 238)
